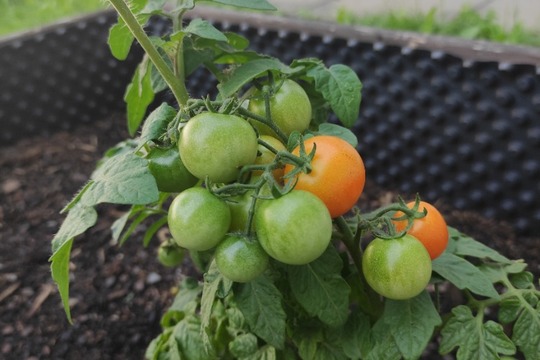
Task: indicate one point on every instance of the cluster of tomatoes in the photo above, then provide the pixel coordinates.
(320, 178)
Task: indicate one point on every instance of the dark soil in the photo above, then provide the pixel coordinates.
(117, 293)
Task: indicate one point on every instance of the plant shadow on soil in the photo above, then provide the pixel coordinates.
(118, 294)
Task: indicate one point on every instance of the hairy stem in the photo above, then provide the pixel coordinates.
(176, 84)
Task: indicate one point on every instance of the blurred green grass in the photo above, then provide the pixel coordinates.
(19, 15)
(467, 23)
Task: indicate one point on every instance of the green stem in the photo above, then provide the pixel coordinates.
(265, 121)
(176, 85)
(352, 247)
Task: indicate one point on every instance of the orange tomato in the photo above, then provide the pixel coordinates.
(337, 176)
(431, 230)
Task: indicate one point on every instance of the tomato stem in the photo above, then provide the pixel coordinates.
(265, 121)
(176, 84)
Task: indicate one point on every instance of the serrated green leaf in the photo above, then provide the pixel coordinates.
(355, 337)
(266, 352)
(212, 280)
(243, 345)
(120, 40)
(464, 275)
(260, 302)
(522, 280)
(204, 29)
(509, 309)
(320, 288)
(341, 87)
(122, 179)
(467, 246)
(247, 4)
(317, 343)
(120, 37)
(156, 123)
(249, 71)
(78, 220)
(338, 131)
(139, 95)
(187, 298)
(187, 334)
(474, 339)
(412, 323)
(526, 332)
(383, 343)
(497, 272)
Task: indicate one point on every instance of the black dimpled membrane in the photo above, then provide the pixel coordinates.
(465, 132)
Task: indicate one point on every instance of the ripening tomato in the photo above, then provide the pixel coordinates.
(431, 230)
(169, 171)
(337, 176)
(398, 269)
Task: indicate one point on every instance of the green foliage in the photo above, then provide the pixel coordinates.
(320, 310)
(467, 23)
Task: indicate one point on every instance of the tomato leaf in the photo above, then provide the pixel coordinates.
(412, 323)
(139, 95)
(247, 72)
(475, 339)
(120, 40)
(79, 219)
(383, 343)
(320, 288)
(341, 87)
(212, 282)
(247, 4)
(260, 302)
(156, 123)
(355, 336)
(465, 245)
(316, 344)
(338, 131)
(464, 275)
(120, 37)
(526, 331)
(122, 179)
(204, 29)
(187, 335)
(243, 345)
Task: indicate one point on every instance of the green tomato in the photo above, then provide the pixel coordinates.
(241, 259)
(295, 228)
(170, 255)
(198, 220)
(169, 171)
(290, 108)
(397, 269)
(217, 146)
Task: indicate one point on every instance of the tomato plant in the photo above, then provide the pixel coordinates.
(241, 259)
(209, 146)
(431, 229)
(337, 175)
(289, 107)
(198, 220)
(290, 266)
(169, 171)
(294, 229)
(398, 269)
